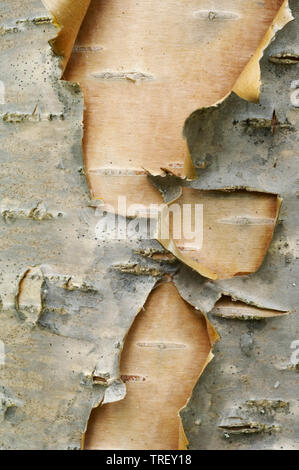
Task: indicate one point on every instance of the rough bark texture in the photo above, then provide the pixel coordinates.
(68, 299)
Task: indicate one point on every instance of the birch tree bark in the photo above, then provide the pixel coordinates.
(69, 292)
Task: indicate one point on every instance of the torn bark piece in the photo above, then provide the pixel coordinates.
(68, 16)
(236, 310)
(249, 83)
(228, 233)
(165, 351)
(139, 96)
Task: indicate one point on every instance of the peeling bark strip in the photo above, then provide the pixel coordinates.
(151, 366)
(132, 125)
(66, 294)
(230, 221)
(232, 309)
(67, 16)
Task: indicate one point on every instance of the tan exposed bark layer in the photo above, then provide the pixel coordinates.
(237, 230)
(164, 353)
(141, 80)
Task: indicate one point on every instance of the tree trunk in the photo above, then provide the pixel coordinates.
(71, 284)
